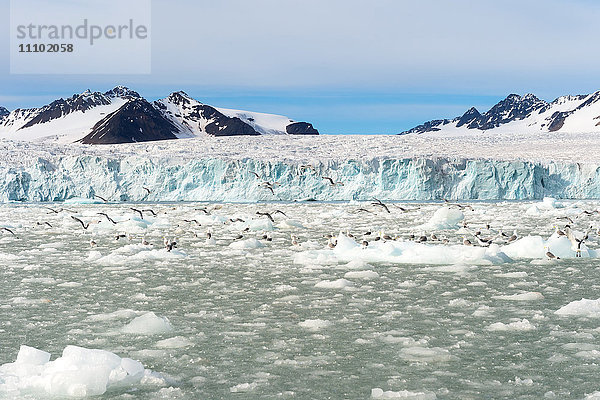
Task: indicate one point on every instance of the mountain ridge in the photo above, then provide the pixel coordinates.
(527, 113)
(121, 115)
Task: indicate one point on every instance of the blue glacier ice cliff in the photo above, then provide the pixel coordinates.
(217, 179)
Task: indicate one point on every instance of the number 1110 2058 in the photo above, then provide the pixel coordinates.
(46, 48)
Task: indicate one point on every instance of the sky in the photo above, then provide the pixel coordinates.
(347, 66)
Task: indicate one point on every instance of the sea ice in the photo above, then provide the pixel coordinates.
(336, 284)
(243, 387)
(368, 274)
(176, 342)
(527, 296)
(402, 252)
(251, 243)
(445, 218)
(378, 393)
(425, 354)
(32, 356)
(148, 324)
(581, 308)
(79, 372)
(522, 325)
(314, 324)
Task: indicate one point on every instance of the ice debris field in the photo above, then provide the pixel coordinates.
(474, 166)
(434, 300)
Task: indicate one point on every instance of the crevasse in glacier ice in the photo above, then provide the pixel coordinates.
(215, 179)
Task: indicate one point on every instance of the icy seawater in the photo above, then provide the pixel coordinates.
(312, 301)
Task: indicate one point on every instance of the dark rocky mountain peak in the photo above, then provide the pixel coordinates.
(429, 126)
(557, 120)
(301, 128)
(181, 98)
(136, 121)
(122, 92)
(3, 112)
(568, 98)
(468, 117)
(593, 98)
(61, 107)
(512, 108)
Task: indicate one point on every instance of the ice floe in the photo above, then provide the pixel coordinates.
(78, 372)
(521, 325)
(581, 308)
(378, 393)
(148, 324)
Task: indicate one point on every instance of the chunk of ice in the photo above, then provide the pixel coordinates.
(148, 324)
(79, 372)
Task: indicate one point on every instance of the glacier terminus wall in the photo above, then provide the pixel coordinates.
(217, 179)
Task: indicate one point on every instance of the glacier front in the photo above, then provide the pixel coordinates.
(216, 179)
(234, 169)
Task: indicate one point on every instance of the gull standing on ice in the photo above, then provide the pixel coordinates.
(575, 242)
(210, 240)
(550, 255)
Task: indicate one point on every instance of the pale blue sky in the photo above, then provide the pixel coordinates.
(348, 66)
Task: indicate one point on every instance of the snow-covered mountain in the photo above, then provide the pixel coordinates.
(524, 114)
(193, 118)
(121, 115)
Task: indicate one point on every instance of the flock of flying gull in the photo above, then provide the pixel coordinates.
(270, 186)
(470, 236)
(479, 240)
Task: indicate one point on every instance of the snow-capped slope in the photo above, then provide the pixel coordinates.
(98, 118)
(195, 119)
(64, 120)
(525, 114)
(262, 123)
(15, 120)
